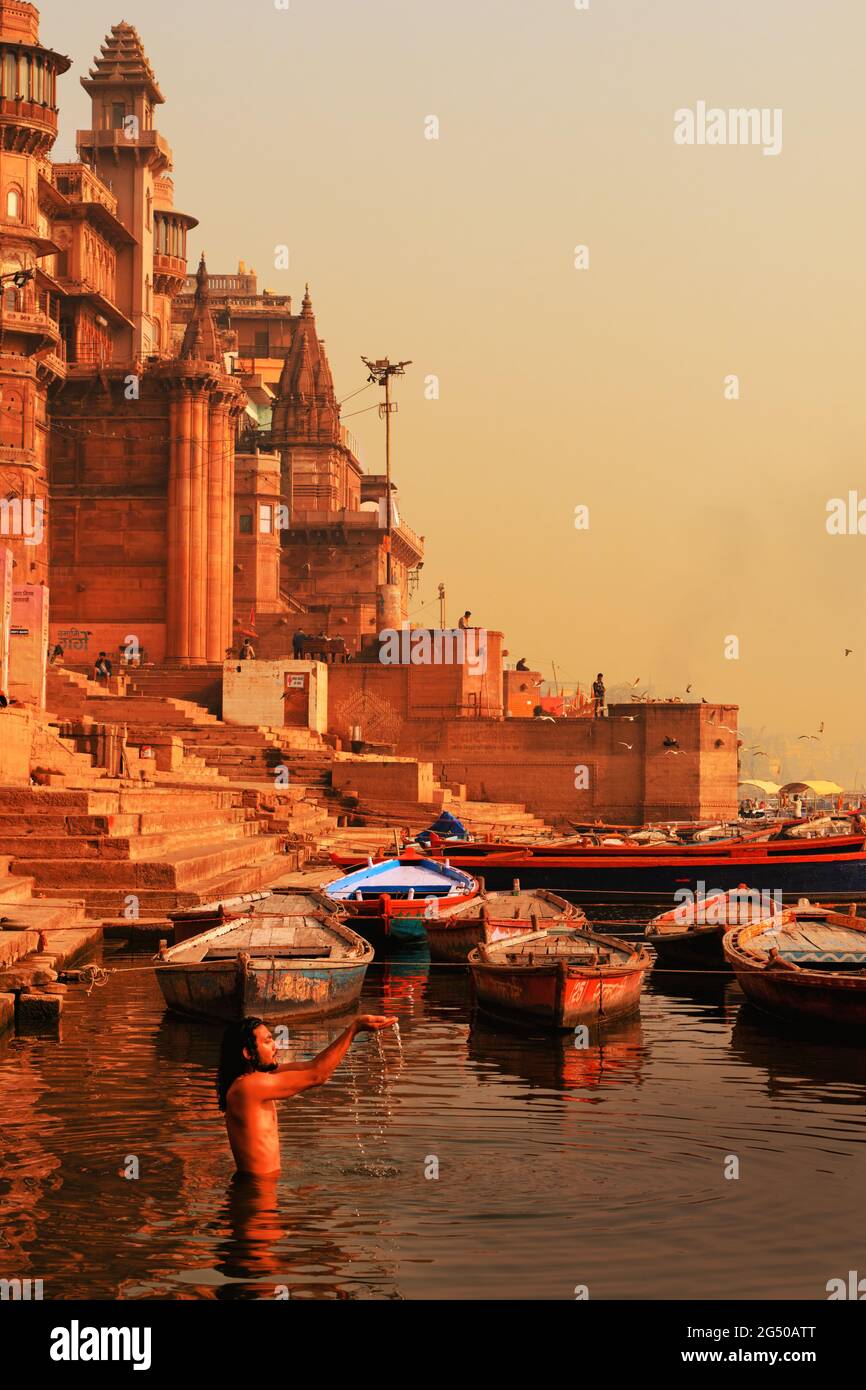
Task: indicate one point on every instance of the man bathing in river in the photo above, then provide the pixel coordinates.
(250, 1080)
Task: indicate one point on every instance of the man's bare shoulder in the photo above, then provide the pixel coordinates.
(247, 1088)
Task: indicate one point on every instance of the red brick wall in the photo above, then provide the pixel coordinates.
(535, 762)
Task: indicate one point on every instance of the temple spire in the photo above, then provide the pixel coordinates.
(306, 405)
(201, 340)
(122, 62)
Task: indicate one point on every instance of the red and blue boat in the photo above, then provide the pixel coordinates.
(390, 902)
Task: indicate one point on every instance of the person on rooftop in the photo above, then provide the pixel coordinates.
(464, 622)
(598, 696)
(521, 665)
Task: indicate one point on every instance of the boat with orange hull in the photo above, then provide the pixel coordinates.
(806, 868)
(690, 935)
(560, 977)
(495, 916)
(809, 967)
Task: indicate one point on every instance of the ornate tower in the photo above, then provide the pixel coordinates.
(318, 471)
(30, 351)
(131, 156)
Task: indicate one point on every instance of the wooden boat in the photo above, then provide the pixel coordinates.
(295, 967)
(495, 916)
(190, 921)
(690, 935)
(806, 867)
(560, 976)
(284, 902)
(667, 855)
(809, 967)
(392, 901)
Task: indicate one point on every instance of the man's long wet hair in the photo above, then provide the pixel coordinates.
(233, 1063)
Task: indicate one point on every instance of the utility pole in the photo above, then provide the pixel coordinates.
(381, 372)
(442, 606)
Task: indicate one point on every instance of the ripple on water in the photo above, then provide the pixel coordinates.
(471, 1162)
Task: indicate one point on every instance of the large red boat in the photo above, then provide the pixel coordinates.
(826, 867)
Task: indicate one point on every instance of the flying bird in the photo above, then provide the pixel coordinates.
(688, 688)
(848, 651)
(625, 745)
(821, 727)
(676, 751)
(727, 729)
(636, 680)
(670, 742)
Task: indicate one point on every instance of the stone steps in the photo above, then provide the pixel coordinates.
(120, 847)
(47, 915)
(201, 686)
(15, 888)
(54, 824)
(26, 972)
(14, 945)
(156, 901)
(117, 801)
(177, 869)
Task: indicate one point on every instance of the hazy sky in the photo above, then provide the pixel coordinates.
(558, 387)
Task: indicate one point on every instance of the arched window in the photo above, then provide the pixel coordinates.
(14, 204)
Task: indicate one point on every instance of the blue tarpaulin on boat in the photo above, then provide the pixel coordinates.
(448, 827)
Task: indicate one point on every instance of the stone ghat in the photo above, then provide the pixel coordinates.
(140, 852)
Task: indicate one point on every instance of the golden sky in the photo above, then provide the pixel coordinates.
(603, 387)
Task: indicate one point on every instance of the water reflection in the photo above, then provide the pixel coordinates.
(614, 1055)
(796, 1066)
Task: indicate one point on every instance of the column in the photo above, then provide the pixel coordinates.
(216, 504)
(198, 528)
(228, 545)
(178, 560)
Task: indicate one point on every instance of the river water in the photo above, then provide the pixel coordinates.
(560, 1169)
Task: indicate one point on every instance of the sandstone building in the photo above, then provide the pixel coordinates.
(183, 495)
